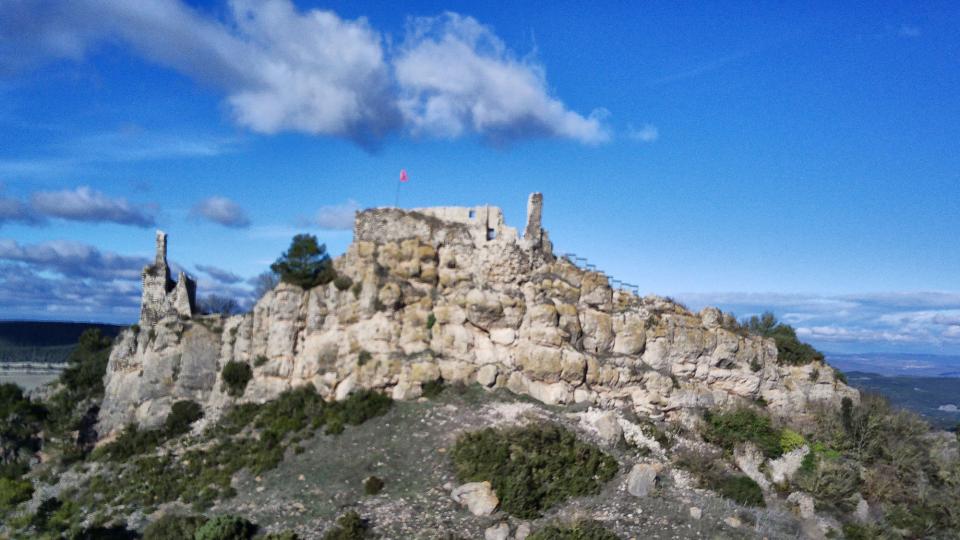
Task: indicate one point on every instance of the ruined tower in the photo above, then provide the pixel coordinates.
(162, 295)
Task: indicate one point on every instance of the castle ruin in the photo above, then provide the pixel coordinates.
(162, 295)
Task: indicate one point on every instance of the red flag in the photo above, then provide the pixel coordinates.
(403, 175)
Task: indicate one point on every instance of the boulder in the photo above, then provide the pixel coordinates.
(478, 497)
(643, 479)
(500, 531)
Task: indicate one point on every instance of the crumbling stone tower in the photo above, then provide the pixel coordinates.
(162, 295)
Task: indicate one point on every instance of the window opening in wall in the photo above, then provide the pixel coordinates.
(491, 234)
(473, 214)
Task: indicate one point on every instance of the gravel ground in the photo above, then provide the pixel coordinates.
(408, 449)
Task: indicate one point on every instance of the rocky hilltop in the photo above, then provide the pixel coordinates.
(454, 294)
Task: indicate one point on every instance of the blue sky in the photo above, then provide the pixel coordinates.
(802, 159)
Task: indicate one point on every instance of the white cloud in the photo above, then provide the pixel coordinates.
(338, 217)
(648, 133)
(457, 77)
(85, 204)
(221, 210)
(311, 71)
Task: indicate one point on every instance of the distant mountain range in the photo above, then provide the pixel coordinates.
(43, 341)
(893, 364)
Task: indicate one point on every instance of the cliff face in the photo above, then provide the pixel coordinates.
(455, 294)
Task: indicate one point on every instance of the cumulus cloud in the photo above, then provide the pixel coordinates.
(72, 259)
(314, 72)
(14, 211)
(648, 133)
(338, 217)
(458, 77)
(85, 204)
(221, 210)
(219, 274)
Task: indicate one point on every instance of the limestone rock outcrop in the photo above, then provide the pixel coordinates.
(452, 294)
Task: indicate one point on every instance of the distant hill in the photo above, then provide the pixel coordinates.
(935, 398)
(892, 364)
(42, 341)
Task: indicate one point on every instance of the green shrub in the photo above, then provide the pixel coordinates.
(342, 283)
(285, 535)
(372, 485)
(814, 375)
(236, 375)
(833, 483)
(305, 264)
(838, 375)
(182, 415)
(532, 468)
(755, 365)
(729, 428)
(21, 421)
(14, 492)
(357, 289)
(259, 360)
(431, 320)
(859, 531)
(349, 526)
(790, 350)
(790, 440)
(364, 357)
(173, 527)
(581, 530)
(226, 528)
(740, 489)
(432, 389)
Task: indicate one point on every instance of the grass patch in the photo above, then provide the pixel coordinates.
(532, 468)
(581, 530)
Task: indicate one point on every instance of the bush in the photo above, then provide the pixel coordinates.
(432, 389)
(342, 283)
(431, 320)
(357, 289)
(182, 415)
(14, 492)
(582, 530)
(350, 526)
(305, 264)
(790, 350)
(740, 489)
(532, 468)
(173, 527)
(364, 357)
(236, 375)
(372, 485)
(226, 528)
(21, 421)
(259, 360)
(285, 535)
(730, 428)
(790, 440)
